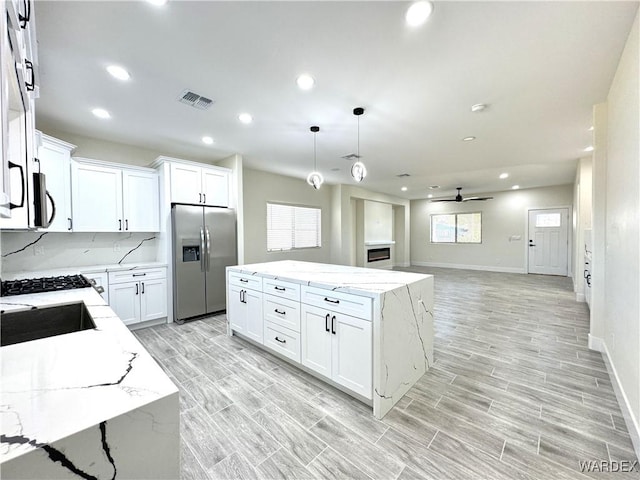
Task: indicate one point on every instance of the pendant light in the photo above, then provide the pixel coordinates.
(315, 178)
(358, 170)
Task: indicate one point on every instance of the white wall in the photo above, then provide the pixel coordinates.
(378, 221)
(262, 187)
(502, 218)
(581, 221)
(618, 319)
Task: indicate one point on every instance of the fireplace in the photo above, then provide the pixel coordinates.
(378, 254)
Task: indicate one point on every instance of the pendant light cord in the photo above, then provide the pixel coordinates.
(315, 169)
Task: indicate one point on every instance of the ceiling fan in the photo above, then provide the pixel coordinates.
(458, 198)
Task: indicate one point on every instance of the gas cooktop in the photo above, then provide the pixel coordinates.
(44, 284)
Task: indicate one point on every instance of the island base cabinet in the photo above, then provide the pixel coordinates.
(282, 340)
(244, 312)
(338, 347)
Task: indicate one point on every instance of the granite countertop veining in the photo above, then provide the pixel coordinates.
(77, 270)
(58, 386)
(368, 282)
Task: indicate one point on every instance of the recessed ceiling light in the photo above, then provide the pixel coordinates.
(515, 187)
(118, 72)
(469, 139)
(591, 128)
(157, 3)
(589, 148)
(207, 140)
(433, 187)
(404, 189)
(418, 13)
(504, 175)
(478, 107)
(245, 118)
(305, 82)
(100, 113)
(430, 196)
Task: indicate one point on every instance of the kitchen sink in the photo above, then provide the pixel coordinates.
(26, 325)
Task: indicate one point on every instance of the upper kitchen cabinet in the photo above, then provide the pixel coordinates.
(55, 162)
(18, 91)
(107, 197)
(198, 184)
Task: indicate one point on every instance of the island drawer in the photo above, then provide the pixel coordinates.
(245, 280)
(282, 340)
(137, 275)
(347, 303)
(281, 311)
(281, 289)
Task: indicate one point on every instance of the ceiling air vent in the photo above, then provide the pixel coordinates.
(194, 100)
(402, 175)
(351, 156)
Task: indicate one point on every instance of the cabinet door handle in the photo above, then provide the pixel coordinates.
(280, 289)
(204, 198)
(30, 85)
(242, 296)
(24, 19)
(142, 287)
(586, 272)
(333, 326)
(281, 341)
(331, 301)
(199, 198)
(22, 182)
(126, 224)
(136, 289)
(280, 312)
(70, 224)
(326, 322)
(120, 225)
(588, 279)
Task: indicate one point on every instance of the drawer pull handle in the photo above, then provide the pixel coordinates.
(281, 289)
(281, 341)
(331, 301)
(280, 312)
(244, 280)
(139, 274)
(326, 323)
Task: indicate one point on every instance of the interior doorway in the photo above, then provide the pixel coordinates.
(548, 241)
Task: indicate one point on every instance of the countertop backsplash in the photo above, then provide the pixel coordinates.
(33, 251)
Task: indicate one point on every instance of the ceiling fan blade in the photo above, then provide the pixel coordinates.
(477, 199)
(445, 200)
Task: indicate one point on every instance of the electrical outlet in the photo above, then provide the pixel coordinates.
(38, 250)
(116, 246)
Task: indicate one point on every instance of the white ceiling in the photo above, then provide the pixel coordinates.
(541, 66)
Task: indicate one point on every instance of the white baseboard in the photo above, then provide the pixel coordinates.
(580, 297)
(596, 343)
(485, 268)
(403, 264)
(629, 418)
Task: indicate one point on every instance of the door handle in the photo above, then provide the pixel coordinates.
(588, 279)
(120, 225)
(24, 186)
(142, 287)
(126, 224)
(136, 289)
(204, 198)
(199, 198)
(30, 86)
(70, 224)
(202, 255)
(326, 322)
(333, 326)
(208, 254)
(24, 19)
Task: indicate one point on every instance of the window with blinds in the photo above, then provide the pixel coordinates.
(290, 227)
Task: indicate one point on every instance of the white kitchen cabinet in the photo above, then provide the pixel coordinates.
(245, 312)
(138, 295)
(339, 347)
(199, 185)
(55, 163)
(99, 279)
(110, 198)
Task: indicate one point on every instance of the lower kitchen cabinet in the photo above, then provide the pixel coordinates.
(138, 296)
(338, 346)
(244, 311)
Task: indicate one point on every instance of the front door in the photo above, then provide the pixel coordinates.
(548, 241)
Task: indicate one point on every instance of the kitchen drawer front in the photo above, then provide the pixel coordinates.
(281, 289)
(354, 305)
(251, 282)
(281, 311)
(282, 340)
(137, 275)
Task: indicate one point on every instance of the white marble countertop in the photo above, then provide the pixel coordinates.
(368, 282)
(58, 386)
(77, 270)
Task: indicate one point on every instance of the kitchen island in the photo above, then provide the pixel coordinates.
(368, 332)
(88, 404)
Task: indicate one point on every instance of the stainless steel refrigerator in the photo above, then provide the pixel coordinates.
(204, 243)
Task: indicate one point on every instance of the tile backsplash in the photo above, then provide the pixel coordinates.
(33, 251)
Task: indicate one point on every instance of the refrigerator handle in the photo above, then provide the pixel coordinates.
(208, 259)
(202, 250)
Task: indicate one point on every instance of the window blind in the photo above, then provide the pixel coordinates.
(290, 227)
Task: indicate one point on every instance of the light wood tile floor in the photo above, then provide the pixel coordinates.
(514, 394)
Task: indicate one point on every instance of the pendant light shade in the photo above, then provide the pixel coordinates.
(315, 178)
(358, 170)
